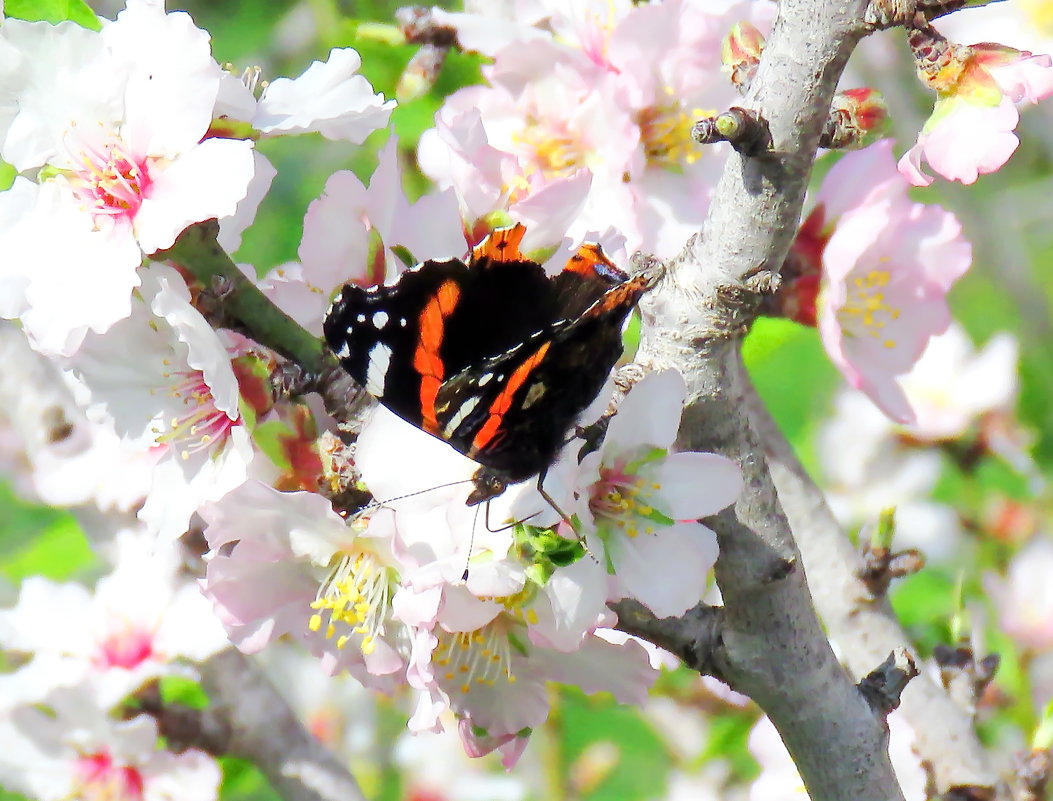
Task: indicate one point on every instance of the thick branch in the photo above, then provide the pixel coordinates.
(774, 648)
(265, 731)
(866, 627)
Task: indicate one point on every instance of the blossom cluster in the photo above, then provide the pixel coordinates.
(362, 549)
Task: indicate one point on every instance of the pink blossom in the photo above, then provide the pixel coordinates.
(70, 746)
(140, 621)
(483, 667)
(1024, 596)
(887, 270)
(970, 132)
(328, 583)
(633, 493)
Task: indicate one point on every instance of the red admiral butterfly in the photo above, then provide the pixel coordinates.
(494, 357)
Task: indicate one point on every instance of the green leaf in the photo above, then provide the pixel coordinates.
(184, 691)
(59, 552)
(53, 11)
(242, 781)
(641, 763)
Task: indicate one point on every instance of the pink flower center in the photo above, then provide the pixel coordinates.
(103, 780)
(866, 311)
(106, 176)
(202, 424)
(126, 648)
(622, 498)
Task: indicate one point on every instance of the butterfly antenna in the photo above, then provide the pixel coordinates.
(421, 492)
(471, 540)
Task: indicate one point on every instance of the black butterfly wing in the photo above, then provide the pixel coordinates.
(512, 412)
(400, 342)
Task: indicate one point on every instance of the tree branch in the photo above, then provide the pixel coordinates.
(264, 730)
(866, 627)
(197, 251)
(773, 647)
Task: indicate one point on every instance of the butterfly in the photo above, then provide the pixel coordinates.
(493, 356)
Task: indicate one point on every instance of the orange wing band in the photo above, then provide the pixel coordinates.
(585, 260)
(501, 245)
(426, 359)
(503, 402)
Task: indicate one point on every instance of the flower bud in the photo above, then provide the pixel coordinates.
(740, 53)
(858, 117)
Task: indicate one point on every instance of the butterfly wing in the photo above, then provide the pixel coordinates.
(512, 412)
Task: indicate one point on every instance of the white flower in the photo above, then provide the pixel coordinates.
(635, 494)
(953, 384)
(71, 747)
(126, 154)
(163, 379)
(329, 98)
(1024, 597)
(140, 620)
(295, 567)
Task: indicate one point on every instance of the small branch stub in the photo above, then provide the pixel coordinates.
(963, 674)
(744, 130)
(883, 686)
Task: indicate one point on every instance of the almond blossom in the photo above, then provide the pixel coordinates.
(125, 154)
(478, 660)
(329, 98)
(162, 378)
(140, 622)
(1023, 597)
(970, 132)
(887, 269)
(69, 746)
(328, 583)
(634, 497)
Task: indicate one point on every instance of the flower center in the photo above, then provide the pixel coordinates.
(105, 176)
(480, 657)
(102, 780)
(355, 596)
(554, 153)
(666, 134)
(866, 311)
(125, 648)
(621, 498)
(202, 424)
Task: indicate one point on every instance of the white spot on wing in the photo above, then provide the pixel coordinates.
(379, 359)
(345, 350)
(361, 318)
(402, 322)
(485, 379)
(458, 418)
(380, 319)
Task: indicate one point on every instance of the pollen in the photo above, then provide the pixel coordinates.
(353, 600)
(106, 177)
(867, 311)
(553, 152)
(482, 657)
(201, 424)
(665, 131)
